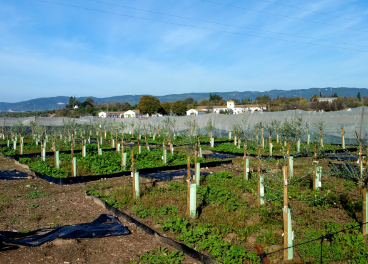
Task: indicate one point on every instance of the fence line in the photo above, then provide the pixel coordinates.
(328, 236)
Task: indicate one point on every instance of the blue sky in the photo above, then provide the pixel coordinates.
(50, 50)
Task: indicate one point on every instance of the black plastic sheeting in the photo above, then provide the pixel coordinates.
(221, 155)
(104, 226)
(179, 246)
(345, 157)
(82, 179)
(48, 154)
(169, 175)
(12, 175)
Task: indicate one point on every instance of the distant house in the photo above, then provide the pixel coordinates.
(111, 114)
(326, 99)
(196, 112)
(230, 107)
(132, 113)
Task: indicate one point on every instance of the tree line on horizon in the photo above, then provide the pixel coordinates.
(151, 105)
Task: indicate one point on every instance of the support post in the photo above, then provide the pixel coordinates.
(136, 184)
(260, 180)
(198, 174)
(315, 162)
(260, 251)
(318, 177)
(188, 186)
(291, 167)
(124, 160)
(74, 167)
(246, 163)
(365, 205)
(21, 145)
(298, 145)
(43, 153)
(308, 137)
(193, 200)
(57, 160)
(145, 137)
(271, 147)
(285, 211)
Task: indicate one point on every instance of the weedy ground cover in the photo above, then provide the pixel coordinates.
(108, 162)
(278, 149)
(229, 221)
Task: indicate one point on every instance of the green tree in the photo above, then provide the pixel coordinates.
(165, 108)
(236, 101)
(179, 108)
(71, 102)
(148, 105)
(215, 97)
(189, 100)
(358, 96)
(262, 99)
(246, 101)
(314, 98)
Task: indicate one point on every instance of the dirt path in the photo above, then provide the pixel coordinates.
(63, 205)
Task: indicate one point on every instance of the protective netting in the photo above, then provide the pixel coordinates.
(355, 122)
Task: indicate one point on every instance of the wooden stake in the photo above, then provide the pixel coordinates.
(285, 174)
(260, 250)
(132, 154)
(145, 137)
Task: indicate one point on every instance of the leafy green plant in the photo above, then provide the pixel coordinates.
(162, 255)
(36, 194)
(34, 205)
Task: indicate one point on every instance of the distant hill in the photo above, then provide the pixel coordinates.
(60, 101)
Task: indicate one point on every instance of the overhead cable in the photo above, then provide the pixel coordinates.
(291, 17)
(228, 25)
(197, 27)
(313, 11)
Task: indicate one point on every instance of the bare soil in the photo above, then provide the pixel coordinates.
(64, 205)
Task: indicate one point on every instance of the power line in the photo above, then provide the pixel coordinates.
(229, 25)
(309, 10)
(197, 27)
(355, 3)
(269, 13)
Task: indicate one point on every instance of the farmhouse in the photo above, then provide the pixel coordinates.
(196, 112)
(326, 99)
(229, 108)
(111, 114)
(132, 113)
